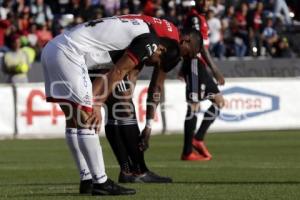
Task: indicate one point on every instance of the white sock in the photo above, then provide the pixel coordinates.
(71, 138)
(91, 149)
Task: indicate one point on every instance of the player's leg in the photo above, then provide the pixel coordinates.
(116, 142)
(189, 129)
(72, 142)
(130, 133)
(56, 86)
(192, 97)
(210, 116)
(210, 91)
(68, 81)
(90, 147)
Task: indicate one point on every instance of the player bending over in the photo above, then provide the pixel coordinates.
(121, 44)
(121, 128)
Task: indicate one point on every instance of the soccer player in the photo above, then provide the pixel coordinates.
(121, 44)
(121, 129)
(200, 85)
(123, 135)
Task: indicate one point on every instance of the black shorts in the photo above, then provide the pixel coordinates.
(200, 85)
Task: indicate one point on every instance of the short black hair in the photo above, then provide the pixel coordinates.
(171, 58)
(194, 34)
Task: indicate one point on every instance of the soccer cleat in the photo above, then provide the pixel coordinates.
(111, 188)
(201, 148)
(85, 186)
(126, 178)
(194, 157)
(151, 177)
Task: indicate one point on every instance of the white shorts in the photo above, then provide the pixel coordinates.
(66, 77)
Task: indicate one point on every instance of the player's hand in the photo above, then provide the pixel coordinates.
(220, 78)
(144, 139)
(94, 119)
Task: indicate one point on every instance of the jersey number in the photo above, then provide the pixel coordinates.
(93, 23)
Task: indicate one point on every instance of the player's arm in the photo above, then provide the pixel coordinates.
(211, 64)
(141, 49)
(154, 94)
(103, 86)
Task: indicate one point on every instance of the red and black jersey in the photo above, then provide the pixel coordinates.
(162, 27)
(198, 22)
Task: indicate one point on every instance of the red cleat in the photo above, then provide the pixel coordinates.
(194, 157)
(201, 148)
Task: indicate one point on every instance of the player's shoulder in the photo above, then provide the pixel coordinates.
(161, 27)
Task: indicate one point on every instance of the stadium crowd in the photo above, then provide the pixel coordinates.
(237, 27)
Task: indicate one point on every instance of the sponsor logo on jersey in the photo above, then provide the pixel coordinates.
(243, 103)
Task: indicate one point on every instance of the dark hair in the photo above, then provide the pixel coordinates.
(194, 34)
(171, 58)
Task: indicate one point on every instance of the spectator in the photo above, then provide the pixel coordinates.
(41, 13)
(87, 10)
(215, 35)
(111, 7)
(16, 63)
(270, 37)
(4, 25)
(76, 8)
(32, 37)
(30, 51)
(43, 36)
(283, 49)
(5, 9)
(149, 8)
(172, 16)
(218, 8)
(240, 31)
(24, 21)
(227, 24)
(255, 22)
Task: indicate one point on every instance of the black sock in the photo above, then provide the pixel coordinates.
(113, 136)
(130, 135)
(209, 117)
(189, 128)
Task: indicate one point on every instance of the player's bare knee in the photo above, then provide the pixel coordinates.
(194, 107)
(219, 101)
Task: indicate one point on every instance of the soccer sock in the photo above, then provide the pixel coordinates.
(130, 134)
(91, 149)
(189, 128)
(209, 117)
(71, 139)
(113, 136)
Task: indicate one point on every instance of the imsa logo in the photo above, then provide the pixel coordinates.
(243, 103)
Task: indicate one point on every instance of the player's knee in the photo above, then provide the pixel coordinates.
(219, 101)
(193, 108)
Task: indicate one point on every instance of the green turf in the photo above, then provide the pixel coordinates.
(257, 165)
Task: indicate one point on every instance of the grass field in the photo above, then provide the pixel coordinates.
(257, 165)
